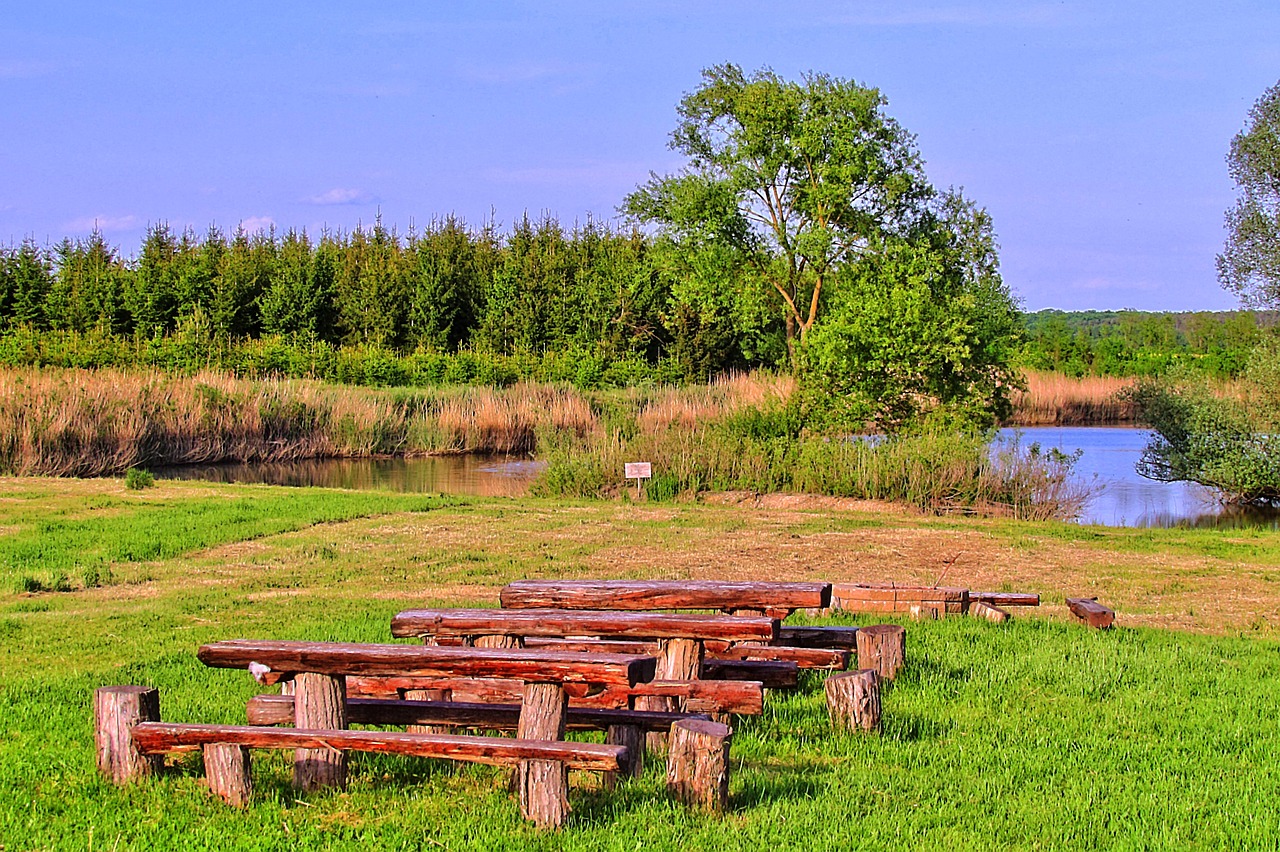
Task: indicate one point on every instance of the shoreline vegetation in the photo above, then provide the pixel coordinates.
(733, 434)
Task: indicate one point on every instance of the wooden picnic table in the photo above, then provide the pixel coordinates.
(318, 671)
(776, 600)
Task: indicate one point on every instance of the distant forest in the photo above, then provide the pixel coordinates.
(590, 304)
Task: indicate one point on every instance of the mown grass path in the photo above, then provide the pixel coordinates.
(1035, 734)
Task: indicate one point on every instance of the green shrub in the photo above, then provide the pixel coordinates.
(136, 479)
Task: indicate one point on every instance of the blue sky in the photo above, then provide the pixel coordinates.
(1094, 132)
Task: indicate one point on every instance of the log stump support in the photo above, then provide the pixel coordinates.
(543, 785)
(427, 695)
(227, 769)
(853, 700)
(882, 647)
(319, 702)
(116, 709)
(495, 641)
(631, 736)
(698, 764)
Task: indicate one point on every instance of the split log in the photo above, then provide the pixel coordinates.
(227, 769)
(1089, 611)
(853, 700)
(543, 785)
(116, 709)
(805, 658)
(664, 594)
(698, 764)
(319, 702)
(991, 612)
(882, 647)
(774, 674)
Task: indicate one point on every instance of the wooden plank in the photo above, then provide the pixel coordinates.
(1005, 598)
(163, 737)
(1089, 611)
(278, 710)
(701, 696)
(818, 637)
(805, 658)
(337, 658)
(561, 622)
(663, 594)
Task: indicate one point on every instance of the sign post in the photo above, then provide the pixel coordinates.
(638, 471)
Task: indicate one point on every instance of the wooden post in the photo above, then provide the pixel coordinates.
(427, 695)
(698, 764)
(991, 612)
(681, 659)
(543, 785)
(319, 702)
(882, 647)
(498, 641)
(631, 736)
(853, 700)
(226, 768)
(116, 709)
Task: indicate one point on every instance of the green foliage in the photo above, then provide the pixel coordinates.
(916, 324)
(1250, 261)
(136, 479)
(788, 179)
(1229, 443)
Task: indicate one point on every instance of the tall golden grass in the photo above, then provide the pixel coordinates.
(91, 423)
(1058, 400)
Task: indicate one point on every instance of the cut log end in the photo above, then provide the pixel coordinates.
(698, 764)
(116, 709)
(853, 700)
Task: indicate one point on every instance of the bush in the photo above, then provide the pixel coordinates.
(136, 479)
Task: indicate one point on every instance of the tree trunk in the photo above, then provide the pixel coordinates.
(319, 703)
(853, 700)
(227, 769)
(882, 647)
(543, 785)
(698, 764)
(116, 709)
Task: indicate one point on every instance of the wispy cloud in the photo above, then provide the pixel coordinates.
(977, 15)
(340, 196)
(253, 224)
(106, 224)
(20, 69)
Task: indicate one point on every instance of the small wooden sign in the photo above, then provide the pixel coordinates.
(638, 470)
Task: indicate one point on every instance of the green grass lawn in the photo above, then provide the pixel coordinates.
(1035, 734)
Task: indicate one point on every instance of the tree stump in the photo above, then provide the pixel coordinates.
(427, 695)
(698, 764)
(631, 736)
(853, 700)
(226, 768)
(681, 659)
(319, 702)
(882, 647)
(992, 613)
(543, 785)
(116, 709)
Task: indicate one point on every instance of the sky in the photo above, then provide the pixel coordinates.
(1094, 132)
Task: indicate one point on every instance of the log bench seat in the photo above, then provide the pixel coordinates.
(777, 600)
(226, 749)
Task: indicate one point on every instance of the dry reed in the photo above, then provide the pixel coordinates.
(1058, 400)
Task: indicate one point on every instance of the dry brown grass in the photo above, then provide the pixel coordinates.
(1052, 399)
(686, 407)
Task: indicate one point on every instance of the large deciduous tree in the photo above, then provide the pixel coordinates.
(1250, 262)
(797, 178)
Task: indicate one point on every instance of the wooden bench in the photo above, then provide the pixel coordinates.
(933, 601)
(777, 600)
(318, 671)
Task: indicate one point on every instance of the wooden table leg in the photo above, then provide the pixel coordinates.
(319, 702)
(681, 659)
(543, 785)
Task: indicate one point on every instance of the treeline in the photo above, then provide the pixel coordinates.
(1138, 343)
(604, 294)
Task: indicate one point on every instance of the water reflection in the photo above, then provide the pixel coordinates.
(489, 476)
(1125, 499)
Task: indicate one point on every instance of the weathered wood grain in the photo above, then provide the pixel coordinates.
(663, 594)
(561, 622)
(1089, 611)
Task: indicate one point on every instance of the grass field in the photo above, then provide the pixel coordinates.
(1034, 734)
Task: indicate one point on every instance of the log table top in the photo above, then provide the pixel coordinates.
(337, 658)
(766, 598)
(561, 622)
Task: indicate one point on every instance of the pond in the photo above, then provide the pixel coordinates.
(1122, 497)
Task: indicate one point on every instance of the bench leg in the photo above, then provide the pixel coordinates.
(319, 701)
(427, 695)
(226, 768)
(543, 785)
(631, 736)
(681, 659)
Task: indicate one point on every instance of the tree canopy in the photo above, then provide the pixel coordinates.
(795, 178)
(1250, 262)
